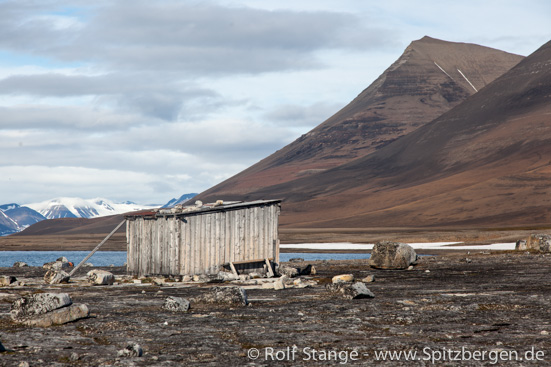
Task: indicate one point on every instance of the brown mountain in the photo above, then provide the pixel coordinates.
(485, 162)
(431, 77)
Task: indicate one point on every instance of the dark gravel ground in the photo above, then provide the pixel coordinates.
(452, 310)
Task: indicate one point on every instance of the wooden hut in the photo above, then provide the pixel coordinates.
(201, 239)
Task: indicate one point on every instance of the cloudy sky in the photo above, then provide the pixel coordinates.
(147, 100)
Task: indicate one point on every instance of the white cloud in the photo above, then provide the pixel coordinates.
(145, 101)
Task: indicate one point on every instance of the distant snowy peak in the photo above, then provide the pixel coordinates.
(14, 218)
(66, 207)
(181, 200)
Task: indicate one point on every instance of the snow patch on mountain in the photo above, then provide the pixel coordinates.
(70, 207)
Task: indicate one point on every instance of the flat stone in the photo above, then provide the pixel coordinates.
(60, 316)
(356, 290)
(343, 278)
(176, 304)
(369, 279)
(229, 295)
(100, 277)
(38, 304)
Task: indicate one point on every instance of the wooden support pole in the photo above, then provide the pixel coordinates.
(270, 271)
(233, 269)
(97, 248)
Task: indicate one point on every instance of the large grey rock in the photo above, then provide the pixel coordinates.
(176, 304)
(538, 242)
(7, 280)
(38, 304)
(20, 264)
(58, 317)
(229, 295)
(356, 290)
(56, 277)
(392, 255)
(100, 277)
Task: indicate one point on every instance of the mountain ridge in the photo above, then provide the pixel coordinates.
(485, 161)
(428, 79)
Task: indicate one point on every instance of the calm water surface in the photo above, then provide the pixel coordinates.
(118, 258)
(39, 258)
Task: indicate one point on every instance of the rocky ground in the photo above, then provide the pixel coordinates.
(472, 309)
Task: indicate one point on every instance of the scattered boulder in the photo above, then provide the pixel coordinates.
(56, 277)
(38, 304)
(292, 271)
(289, 271)
(520, 245)
(392, 255)
(176, 304)
(343, 278)
(369, 279)
(538, 242)
(131, 350)
(7, 280)
(356, 290)
(60, 316)
(46, 309)
(158, 281)
(20, 264)
(63, 259)
(228, 295)
(300, 283)
(201, 278)
(100, 277)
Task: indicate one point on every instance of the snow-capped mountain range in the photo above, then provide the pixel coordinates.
(67, 207)
(15, 218)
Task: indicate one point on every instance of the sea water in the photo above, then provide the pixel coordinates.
(39, 258)
(118, 258)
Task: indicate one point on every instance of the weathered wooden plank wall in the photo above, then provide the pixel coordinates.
(200, 242)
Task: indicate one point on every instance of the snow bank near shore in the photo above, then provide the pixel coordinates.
(369, 246)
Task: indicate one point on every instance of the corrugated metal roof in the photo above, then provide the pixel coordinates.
(199, 207)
